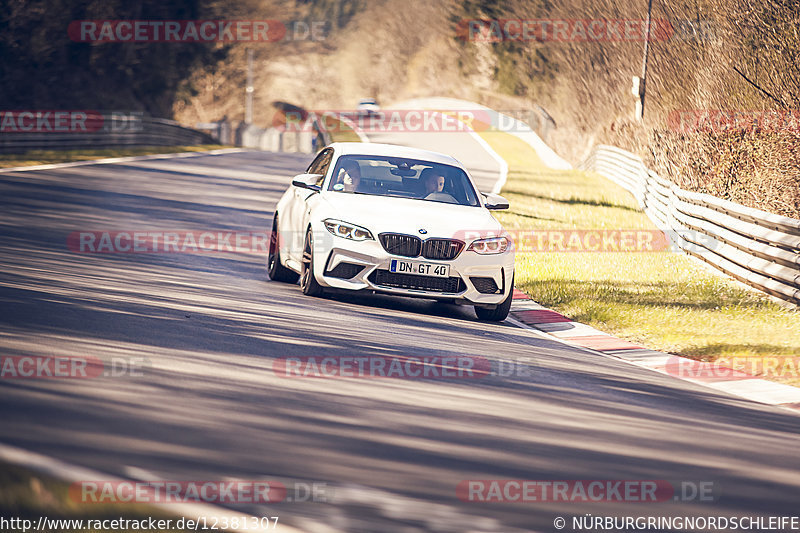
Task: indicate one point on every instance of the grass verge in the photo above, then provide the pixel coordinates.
(662, 300)
(46, 157)
(28, 496)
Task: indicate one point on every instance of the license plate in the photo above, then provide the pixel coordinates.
(419, 269)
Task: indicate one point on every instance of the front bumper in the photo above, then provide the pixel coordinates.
(469, 272)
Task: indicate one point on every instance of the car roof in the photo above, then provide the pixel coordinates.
(356, 148)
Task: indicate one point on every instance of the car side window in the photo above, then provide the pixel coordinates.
(320, 165)
(315, 163)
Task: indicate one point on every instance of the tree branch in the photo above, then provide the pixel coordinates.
(779, 102)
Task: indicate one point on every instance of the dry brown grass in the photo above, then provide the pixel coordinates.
(758, 169)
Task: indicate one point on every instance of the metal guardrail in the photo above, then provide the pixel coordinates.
(21, 131)
(106, 130)
(274, 139)
(755, 247)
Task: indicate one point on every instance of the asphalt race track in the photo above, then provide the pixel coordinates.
(391, 452)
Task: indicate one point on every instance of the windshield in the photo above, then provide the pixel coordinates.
(403, 178)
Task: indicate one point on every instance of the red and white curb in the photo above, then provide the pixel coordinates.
(527, 313)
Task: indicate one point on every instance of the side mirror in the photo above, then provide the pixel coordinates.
(495, 202)
(307, 181)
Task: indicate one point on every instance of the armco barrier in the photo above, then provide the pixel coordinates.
(279, 140)
(120, 129)
(117, 129)
(758, 248)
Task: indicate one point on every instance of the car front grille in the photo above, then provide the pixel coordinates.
(411, 246)
(399, 244)
(412, 281)
(485, 285)
(441, 249)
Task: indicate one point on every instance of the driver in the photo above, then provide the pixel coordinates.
(433, 181)
(350, 176)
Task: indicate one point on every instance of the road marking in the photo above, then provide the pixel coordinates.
(501, 181)
(126, 159)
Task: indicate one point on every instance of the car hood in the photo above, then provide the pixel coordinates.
(382, 214)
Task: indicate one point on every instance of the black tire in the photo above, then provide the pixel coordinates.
(307, 280)
(275, 270)
(499, 313)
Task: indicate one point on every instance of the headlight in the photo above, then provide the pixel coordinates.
(347, 231)
(492, 245)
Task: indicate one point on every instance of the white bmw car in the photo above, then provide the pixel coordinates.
(390, 219)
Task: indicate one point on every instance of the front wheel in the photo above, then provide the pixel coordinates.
(275, 270)
(499, 313)
(308, 283)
